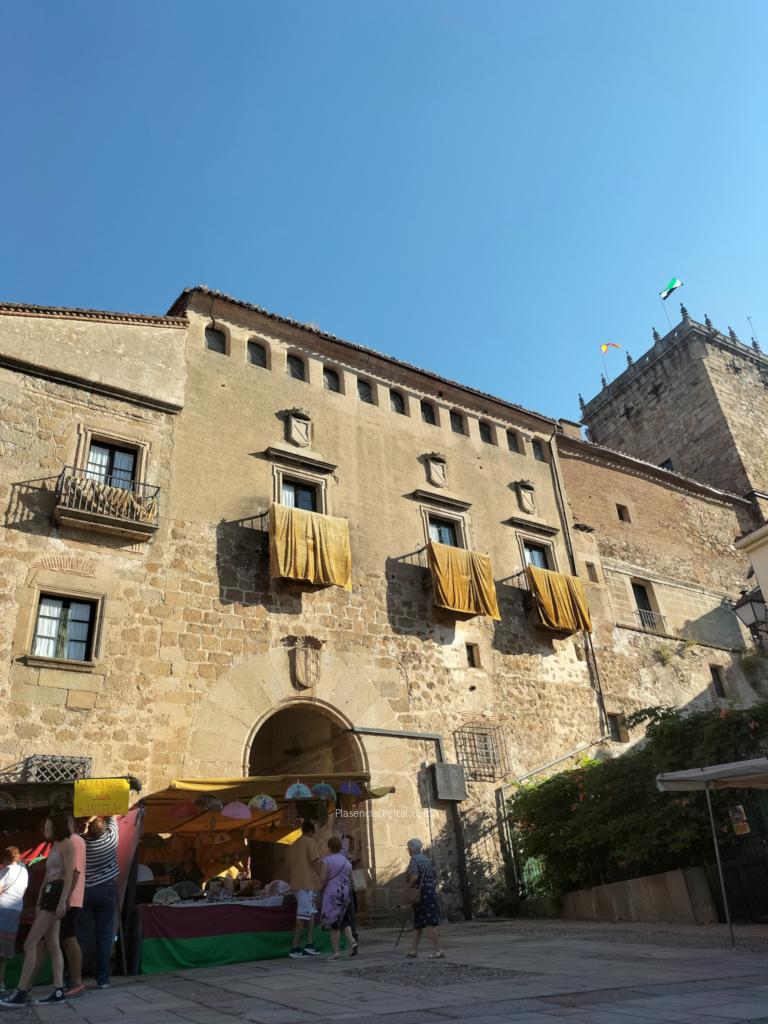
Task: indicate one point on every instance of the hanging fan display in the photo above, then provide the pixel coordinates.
(262, 802)
(323, 791)
(298, 791)
(236, 809)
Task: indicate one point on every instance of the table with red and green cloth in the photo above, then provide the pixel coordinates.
(175, 938)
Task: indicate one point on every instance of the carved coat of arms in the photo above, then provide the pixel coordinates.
(299, 428)
(306, 652)
(437, 470)
(526, 497)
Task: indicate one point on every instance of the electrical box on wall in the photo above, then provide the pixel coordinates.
(449, 782)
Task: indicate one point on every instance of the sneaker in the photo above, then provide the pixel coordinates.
(57, 996)
(297, 954)
(14, 999)
(104, 984)
(74, 990)
(311, 950)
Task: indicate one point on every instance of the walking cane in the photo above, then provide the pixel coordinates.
(405, 922)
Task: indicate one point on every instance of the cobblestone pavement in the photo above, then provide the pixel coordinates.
(523, 972)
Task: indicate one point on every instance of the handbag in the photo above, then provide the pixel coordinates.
(412, 895)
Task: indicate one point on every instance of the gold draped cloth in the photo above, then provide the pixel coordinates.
(560, 600)
(309, 546)
(462, 580)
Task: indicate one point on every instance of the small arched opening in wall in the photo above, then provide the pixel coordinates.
(302, 738)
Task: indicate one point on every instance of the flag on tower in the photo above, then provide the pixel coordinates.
(673, 285)
(608, 344)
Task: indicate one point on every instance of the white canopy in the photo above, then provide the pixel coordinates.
(738, 775)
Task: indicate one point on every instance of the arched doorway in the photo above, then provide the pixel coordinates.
(310, 738)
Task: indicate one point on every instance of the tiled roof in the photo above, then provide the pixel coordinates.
(181, 303)
(73, 313)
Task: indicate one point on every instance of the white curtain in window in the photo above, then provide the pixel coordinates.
(98, 462)
(289, 495)
(434, 532)
(122, 470)
(47, 629)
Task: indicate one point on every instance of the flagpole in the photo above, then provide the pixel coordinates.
(666, 314)
(605, 365)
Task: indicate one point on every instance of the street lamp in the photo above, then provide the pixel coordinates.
(752, 611)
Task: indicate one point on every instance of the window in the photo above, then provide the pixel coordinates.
(111, 465)
(617, 728)
(457, 423)
(536, 555)
(718, 682)
(537, 447)
(443, 531)
(473, 656)
(623, 513)
(297, 494)
(592, 573)
(482, 751)
(364, 392)
(666, 464)
(257, 354)
(428, 414)
(64, 628)
(512, 442)
(296, 368)
(397, 402)
(331, 380)
(642, 597)
(215, 341)
(486, 433)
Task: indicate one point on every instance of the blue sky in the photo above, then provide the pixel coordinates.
(488, 189)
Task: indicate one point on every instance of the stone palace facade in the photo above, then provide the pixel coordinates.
(141, 625)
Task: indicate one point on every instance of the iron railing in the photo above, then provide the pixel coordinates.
(652, 622)
(113, 497)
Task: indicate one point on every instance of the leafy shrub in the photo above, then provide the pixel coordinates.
(606, 821)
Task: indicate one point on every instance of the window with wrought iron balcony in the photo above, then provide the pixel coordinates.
(105, 495)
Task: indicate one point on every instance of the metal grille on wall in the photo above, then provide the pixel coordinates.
(482, 751)
(55, 768)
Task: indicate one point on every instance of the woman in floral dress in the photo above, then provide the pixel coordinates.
(426, 911)
(337, 898)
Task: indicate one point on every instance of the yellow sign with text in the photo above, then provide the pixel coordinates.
(101, 797)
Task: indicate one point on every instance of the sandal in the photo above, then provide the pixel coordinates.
(411, 954)
(437, 956)
(354, 949)
(335, 956)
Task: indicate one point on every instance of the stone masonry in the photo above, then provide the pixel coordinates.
(191, 665)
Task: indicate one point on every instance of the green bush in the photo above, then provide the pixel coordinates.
(606, 821)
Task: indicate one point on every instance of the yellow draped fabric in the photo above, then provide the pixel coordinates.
(308, 546)
(462, 580)
(559, 600)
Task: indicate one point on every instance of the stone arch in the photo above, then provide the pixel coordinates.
(242, 700)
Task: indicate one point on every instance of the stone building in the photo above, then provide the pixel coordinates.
(144, 627)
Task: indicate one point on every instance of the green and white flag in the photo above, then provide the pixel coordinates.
(673, 285)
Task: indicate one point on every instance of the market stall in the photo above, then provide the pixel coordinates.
(239, 828)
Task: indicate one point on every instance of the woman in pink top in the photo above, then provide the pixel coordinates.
(67, 932)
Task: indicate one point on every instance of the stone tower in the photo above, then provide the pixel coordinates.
(696, 402)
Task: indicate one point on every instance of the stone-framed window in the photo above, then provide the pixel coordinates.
(481, 749)
(537, 552)
(717, 675)
(258, 354)
(296, 367)
(458, 423)
(486, 433)
(539, 450)
(617, 727)
(622, 511)
(216, 340)
(513, 442)
(298, 488)
(331, 380)
(428, 413)
(365, 391)
(397, 403)
(65, 628)
(592, 572)
(111, 458)
(473, 655)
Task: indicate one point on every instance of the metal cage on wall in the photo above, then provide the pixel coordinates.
(481, 749)
(55, 768)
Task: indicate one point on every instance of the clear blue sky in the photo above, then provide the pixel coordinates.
(486, 189)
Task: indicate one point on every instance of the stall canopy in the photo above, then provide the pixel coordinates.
(737, 775)
(173, 809)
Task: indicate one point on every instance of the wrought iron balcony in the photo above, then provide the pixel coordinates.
(107, 504)
(652, 622)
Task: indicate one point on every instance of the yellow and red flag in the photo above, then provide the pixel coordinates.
(609, 344)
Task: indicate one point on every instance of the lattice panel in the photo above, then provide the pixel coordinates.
(482, 751)
(56, 768)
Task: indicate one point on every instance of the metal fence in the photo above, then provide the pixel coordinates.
(81, 490)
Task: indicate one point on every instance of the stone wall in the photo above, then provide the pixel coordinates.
(194, 655)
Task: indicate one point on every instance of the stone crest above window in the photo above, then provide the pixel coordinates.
(298, 427)
(526, 496)
(437, 469)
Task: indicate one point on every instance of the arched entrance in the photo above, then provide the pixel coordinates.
(310, 738)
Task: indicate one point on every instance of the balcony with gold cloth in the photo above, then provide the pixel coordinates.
(309, 546)
(462, 581)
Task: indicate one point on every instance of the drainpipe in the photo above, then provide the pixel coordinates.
(458, 832)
